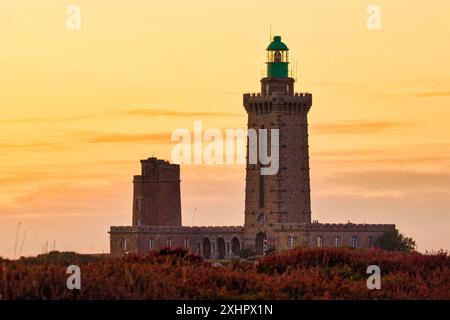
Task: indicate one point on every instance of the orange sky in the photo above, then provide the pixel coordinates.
(79, 109)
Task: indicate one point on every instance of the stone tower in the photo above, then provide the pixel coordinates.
(156, 196)
(283, 198)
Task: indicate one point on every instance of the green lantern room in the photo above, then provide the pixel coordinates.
(277, 79)
(277, 59)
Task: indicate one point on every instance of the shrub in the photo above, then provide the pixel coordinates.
(394, 241)
(246, 253)
(301, 273)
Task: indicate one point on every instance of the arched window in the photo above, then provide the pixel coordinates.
(235, 246)
(221, 250)
(261, 244)
(206, 247)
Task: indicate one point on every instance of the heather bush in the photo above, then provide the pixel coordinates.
(302, 273)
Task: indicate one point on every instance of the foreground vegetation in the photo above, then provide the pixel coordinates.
(176, 274)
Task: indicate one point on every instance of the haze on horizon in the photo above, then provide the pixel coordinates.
(81, 108)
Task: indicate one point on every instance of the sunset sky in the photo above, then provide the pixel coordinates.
(80, 108)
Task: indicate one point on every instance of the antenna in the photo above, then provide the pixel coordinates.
(17, 239)
(23, 242)
(270, 32)
(293, 70)
(190, 235)
(193, 216)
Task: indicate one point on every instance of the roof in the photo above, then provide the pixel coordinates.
(277, 45)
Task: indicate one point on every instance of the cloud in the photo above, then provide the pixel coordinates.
(431, 155)
(336, 84)
(45, 119)
(390, 90)
(433, 94)
(355, 127)
(33, 146)
(173, 113)
(23, 178)
(232, 92)
(65, 199)
(387, 184)
(410, 94)
(160, 138)
(391, 153)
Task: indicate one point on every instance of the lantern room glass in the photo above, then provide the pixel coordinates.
(277, 56)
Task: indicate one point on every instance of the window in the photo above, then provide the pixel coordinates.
(370, 241)
(151, 244)
(319, 241)
(261, 218)
(123, 244)
(261, 191)
(277, 56)
(291, 242)
(337, 241)
(354, 241)
(265, 246)
(169, 243)
(138, 204)
(186, 243)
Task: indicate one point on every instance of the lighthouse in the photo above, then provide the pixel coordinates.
(283, 198)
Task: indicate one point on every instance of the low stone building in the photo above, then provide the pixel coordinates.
(209, 242)
(277, 206)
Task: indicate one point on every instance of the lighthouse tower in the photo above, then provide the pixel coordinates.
(282, 198)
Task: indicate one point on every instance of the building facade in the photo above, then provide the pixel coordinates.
(277, 206)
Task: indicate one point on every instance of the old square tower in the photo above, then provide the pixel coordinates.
(277, 205)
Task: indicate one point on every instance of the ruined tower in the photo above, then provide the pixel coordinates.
(271, 200)
(156, 196)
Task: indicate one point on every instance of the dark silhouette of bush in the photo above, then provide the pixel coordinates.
(394, 241)
(60, 258)
(246, 253)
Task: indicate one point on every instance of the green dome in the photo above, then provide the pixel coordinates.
(277, 45)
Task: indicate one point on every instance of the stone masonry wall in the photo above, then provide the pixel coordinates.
(156, 195)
